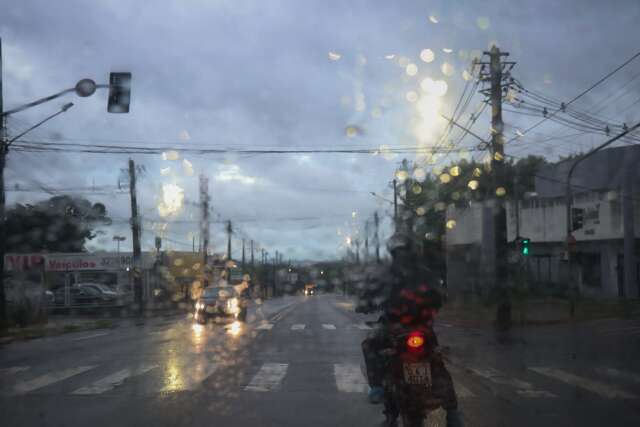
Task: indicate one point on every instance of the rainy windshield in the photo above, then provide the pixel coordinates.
(320, 213)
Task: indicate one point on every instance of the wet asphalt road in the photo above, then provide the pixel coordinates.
(297, 363)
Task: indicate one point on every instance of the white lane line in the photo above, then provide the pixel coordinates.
(86, 337)
(187, 378)
(265, 326)
(615, 373)
(328, 326)
(48, 379)
(268, 377)
(362, 326)
(13, 370)
(461, 391)
(602, 389)
(114, 380)
(349, 378)
(523, 388)
(297, 327)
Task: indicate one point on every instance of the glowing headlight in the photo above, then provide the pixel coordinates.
(232, 305)
(199, 306)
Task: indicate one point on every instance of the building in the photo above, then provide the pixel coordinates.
(605, 204)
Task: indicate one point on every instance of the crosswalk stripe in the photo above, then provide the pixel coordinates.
(187, 378)
(362, 326)
(13, 370)
(349, 378)
(597, 387)
(86, 337)
(265, 326)
(615, 373)
(268, 377)
(298, 327)
(523, 388)
(50, 378)
(328, 326)
(114, 380)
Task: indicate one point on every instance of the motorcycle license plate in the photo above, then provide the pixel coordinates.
(417, 373)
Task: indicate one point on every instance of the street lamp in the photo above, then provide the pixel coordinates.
(119, 239)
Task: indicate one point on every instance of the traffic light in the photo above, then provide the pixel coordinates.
(119, 92)
(524, 246)
(577, 218)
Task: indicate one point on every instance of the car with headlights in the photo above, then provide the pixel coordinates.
(221, 302)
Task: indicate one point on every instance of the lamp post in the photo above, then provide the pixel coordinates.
(119, 239)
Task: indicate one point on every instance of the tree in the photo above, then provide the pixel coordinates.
(60, 224)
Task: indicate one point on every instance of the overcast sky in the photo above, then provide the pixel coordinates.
(276, 74)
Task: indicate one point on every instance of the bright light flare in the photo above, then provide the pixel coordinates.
(171, 201)
(334, 56)
(235, 328)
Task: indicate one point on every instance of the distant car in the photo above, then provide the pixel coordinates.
(221, 301)
(103, 289)
(84, 296)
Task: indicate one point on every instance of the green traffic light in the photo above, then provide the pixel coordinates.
(525, 246)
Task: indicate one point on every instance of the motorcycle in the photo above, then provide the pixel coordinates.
(409, 380)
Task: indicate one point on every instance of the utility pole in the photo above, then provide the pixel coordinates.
(252, 264)
(229, 232)
(366, 241)
(357, 242)
(495, 77)
(243, 257)
(3, 157)
(395, 203)
(204, 226)
(376, 222)
(135, 231)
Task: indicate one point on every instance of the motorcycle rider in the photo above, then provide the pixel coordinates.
(407, 293)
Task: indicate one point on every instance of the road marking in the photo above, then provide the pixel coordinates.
(297, 327)
(48, 379)
(265, 326)
(188, 377)
(268, 377)
(114, 380)
(461, 391)
(86, 337)
(349, 378)
(624, 375)
(523, 388)
(362, 326)
(13, 370)
(597, 387)
(328, 326)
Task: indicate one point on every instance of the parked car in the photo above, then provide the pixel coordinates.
(84, 295)
(221, 301)
(103, 289)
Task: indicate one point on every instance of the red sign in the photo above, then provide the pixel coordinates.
(23, 262)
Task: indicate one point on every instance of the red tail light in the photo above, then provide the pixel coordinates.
(415, 340)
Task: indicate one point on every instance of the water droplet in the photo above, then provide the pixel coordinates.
(473, 184)
(447, 69)
(440, 206)
(411, 69)
(501, 191)
(419, 174)
(445, 178)
(417, 189)
(352, 131)
(165, 171)
(402, 175)
(498, 156)
(403, 61)
(427, 55)
(455, 196)
(421, 211)
(454, 171)
(447, 50)
(433, 19)
(483, 22)
(376, 113)
(391, 56)
(451, 224)
(334, 56)
(477, 172)
(170, 155)
(466, 75)
(412, 96)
